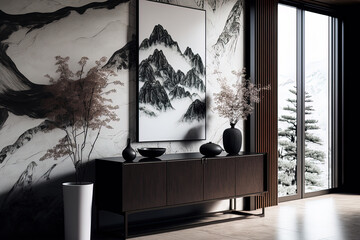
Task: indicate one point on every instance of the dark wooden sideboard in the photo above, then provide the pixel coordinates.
(175, 180)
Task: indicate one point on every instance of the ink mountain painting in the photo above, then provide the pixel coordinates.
(171, 86)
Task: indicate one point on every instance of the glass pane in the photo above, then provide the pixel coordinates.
(317, 102)
(287, 162)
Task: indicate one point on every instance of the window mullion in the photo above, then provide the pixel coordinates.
(300, 81)
(334, 99)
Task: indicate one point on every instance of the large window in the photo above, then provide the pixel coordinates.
(305, 101)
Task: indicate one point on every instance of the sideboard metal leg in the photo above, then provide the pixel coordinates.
(263, 211)
(263, 205)
(125, 225)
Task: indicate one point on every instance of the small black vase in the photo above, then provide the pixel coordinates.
(210, 149)
(128, 153)
(232, 140)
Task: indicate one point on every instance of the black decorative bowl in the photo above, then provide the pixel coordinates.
(151, 152)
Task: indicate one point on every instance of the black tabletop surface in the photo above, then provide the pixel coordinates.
(172, 157)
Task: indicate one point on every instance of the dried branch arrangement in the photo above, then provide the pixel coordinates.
(235, 102)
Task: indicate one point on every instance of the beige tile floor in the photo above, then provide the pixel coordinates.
(327, 217)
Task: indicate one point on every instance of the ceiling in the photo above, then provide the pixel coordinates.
(338, 2)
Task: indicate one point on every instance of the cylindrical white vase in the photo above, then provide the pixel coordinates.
(77, 210)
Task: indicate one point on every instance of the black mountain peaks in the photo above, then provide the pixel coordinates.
(189, 53)
(191, 79)
(179, 92)
(124, 58)
(195, 60)
(162, 84)
(154, 94)
(198, 64)
(159, 35)
(158, 59)
(196, 111)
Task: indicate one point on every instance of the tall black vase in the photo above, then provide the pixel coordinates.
(128, 153)
(232, 140)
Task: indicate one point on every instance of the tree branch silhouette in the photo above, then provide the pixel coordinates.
(79, 107)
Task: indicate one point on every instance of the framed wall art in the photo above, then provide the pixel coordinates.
(171, 75)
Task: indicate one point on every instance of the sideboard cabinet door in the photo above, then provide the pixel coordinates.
(184, 182)
(144, 186)
(250, 175)
(219, 178)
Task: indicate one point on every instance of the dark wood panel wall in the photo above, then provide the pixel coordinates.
(351, 75)
(264, 70)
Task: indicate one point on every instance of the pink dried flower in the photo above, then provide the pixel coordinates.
(235, 102)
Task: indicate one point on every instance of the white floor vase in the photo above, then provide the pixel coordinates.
(77, 210)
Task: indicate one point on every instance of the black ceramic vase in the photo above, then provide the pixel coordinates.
(128, 153)
(232, 140)
(210, 149)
